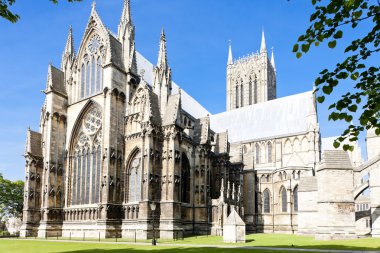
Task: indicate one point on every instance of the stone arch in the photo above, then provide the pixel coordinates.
(134, 176)
(304, 144)
(85, 152)
(288, 147)
(296, 145)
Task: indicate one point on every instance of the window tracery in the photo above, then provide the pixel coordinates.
(92, 70)
(86, 161)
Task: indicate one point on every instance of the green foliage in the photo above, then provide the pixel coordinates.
(13, 17)
(328, 23)
(11, 198)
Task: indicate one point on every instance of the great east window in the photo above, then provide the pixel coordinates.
(86, 160)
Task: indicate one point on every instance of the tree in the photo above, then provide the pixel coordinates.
(13, 17)
(11, 198)
(328, 24)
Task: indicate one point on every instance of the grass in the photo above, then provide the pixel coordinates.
(184, 246)
(40, 246)
(286, 241)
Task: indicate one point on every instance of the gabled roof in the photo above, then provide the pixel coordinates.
(189, 104)
(274, 118)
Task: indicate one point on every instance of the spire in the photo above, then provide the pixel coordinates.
(272, 60)
(125, 20)
(229, 62)
(69, 52)
(162, 56)
(263, 44)
(126, 15)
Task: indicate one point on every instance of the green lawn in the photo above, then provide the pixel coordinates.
(282, 240)
(184, 246)
(40, 246)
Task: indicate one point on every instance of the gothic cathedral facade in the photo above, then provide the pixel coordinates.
(117, 134)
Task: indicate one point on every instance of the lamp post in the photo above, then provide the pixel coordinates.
(153, 208)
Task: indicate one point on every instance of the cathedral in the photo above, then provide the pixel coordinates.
(117, 134)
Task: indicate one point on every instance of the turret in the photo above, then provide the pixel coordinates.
(126, 35)
(162, 76)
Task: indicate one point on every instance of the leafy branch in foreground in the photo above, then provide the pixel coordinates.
(327, 24)
(13, 17)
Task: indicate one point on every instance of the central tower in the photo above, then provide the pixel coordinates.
(251, 79)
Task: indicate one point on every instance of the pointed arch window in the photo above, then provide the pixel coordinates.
(270, 154)
(134, 168)
(250, 90)
(284, 200)
(86, 162)
(257, 158)
(295, 199)
(83, 80)
(242, 93)
(185, 182)
(88, 77)
(99, 75)
(237, 95)
(91, 78)
(93, 73)
(255, 91)
(266, 200)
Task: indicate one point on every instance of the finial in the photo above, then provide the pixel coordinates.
(93, 4)
(230, 60)
(263, 44)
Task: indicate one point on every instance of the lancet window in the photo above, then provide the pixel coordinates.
(266, 201)
(284, 200)
(295, 199)
(185, 182)
(92, 70)
(86, 160)
(134, 182)
(270, 154)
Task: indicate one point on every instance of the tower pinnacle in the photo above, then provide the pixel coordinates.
(272, 60)
(162, 54)
(230, 61)
(263, 44)
(68, 53)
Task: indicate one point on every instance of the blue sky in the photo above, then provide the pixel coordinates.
(197, 33)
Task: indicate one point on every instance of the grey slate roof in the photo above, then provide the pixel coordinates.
(279, 117)
(34, 143)
(56, 80)
(116, 51)
(189, 104)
